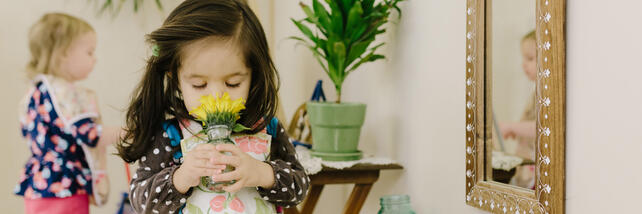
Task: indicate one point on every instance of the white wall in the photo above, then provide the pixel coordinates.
(415, 98)
(604, 103)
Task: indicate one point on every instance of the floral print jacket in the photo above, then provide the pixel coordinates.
(58, 119)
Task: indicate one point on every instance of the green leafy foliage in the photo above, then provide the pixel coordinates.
(115, 5)
(343, 35)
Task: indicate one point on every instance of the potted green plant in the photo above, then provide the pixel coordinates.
(343, 40)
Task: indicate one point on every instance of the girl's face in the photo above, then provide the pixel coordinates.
(79, 60)
(529, 59)
(210, 66)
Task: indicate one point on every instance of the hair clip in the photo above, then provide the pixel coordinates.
(155, 50)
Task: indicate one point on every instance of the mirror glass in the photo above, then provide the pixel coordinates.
(511, 68)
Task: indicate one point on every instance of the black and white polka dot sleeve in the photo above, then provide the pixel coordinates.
(151, 188)
(290, 181)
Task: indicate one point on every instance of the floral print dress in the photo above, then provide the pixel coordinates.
(246, 200)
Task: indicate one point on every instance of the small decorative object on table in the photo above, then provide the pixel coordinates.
(344, 40)
(219, 116)
(395, 204)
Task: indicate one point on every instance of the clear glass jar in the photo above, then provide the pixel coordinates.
(218, 134)
(395, 204)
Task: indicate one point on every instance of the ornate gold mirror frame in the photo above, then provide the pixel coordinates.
(481, 191)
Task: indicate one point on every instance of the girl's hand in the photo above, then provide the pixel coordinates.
(524, 129)
(248, 171)
(110, 136)
(196, 164)
(507, 130)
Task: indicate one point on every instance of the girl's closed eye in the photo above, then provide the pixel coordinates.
(204, 85)
(236, 80)
(232, 85)
(200, 85)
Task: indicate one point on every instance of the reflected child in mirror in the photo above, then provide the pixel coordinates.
(524, 130)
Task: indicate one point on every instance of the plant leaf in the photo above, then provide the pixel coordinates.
(340, 50)
(312, 18)
(321, 44)
(159, 4)
(356, 34)
(108, 3)
(371, 31)
(239, 128)
(370, 57)
(393, 4)
(346, 5)
(367, 6)
(308, 45)
(305, 30)
(318, 56)
(322, 14)
(337, 18)
(331, 57)
(354, 19)
(308, 11)
(135, 5)
(357, 50)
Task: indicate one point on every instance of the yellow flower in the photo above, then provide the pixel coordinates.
(199, 113)
(212, 106)
(225, 104)
(222, 106)
(208, 103)
(238, 105)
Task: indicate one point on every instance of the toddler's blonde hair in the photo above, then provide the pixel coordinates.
(49, 38)
(529, 35)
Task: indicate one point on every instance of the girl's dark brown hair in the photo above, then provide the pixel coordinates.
(158, 95)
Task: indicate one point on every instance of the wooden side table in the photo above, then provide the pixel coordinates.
(363, 176)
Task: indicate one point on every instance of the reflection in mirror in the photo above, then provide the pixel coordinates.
(511, 65)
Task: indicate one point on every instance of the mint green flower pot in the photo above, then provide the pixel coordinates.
(336, 128)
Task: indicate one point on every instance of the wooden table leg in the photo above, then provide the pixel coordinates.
(363, 179)
(357, 198)
(312, 198)
(291, 210)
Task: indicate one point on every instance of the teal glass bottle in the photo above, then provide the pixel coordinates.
(395, 204)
